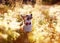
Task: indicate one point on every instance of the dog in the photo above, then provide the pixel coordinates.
(27, 23)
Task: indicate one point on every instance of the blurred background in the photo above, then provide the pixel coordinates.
(45, 21)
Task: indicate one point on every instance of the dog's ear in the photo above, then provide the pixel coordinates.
(22, 16)
(26, 15)
(31, 14)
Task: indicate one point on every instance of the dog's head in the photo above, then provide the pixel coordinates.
(29, 17)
